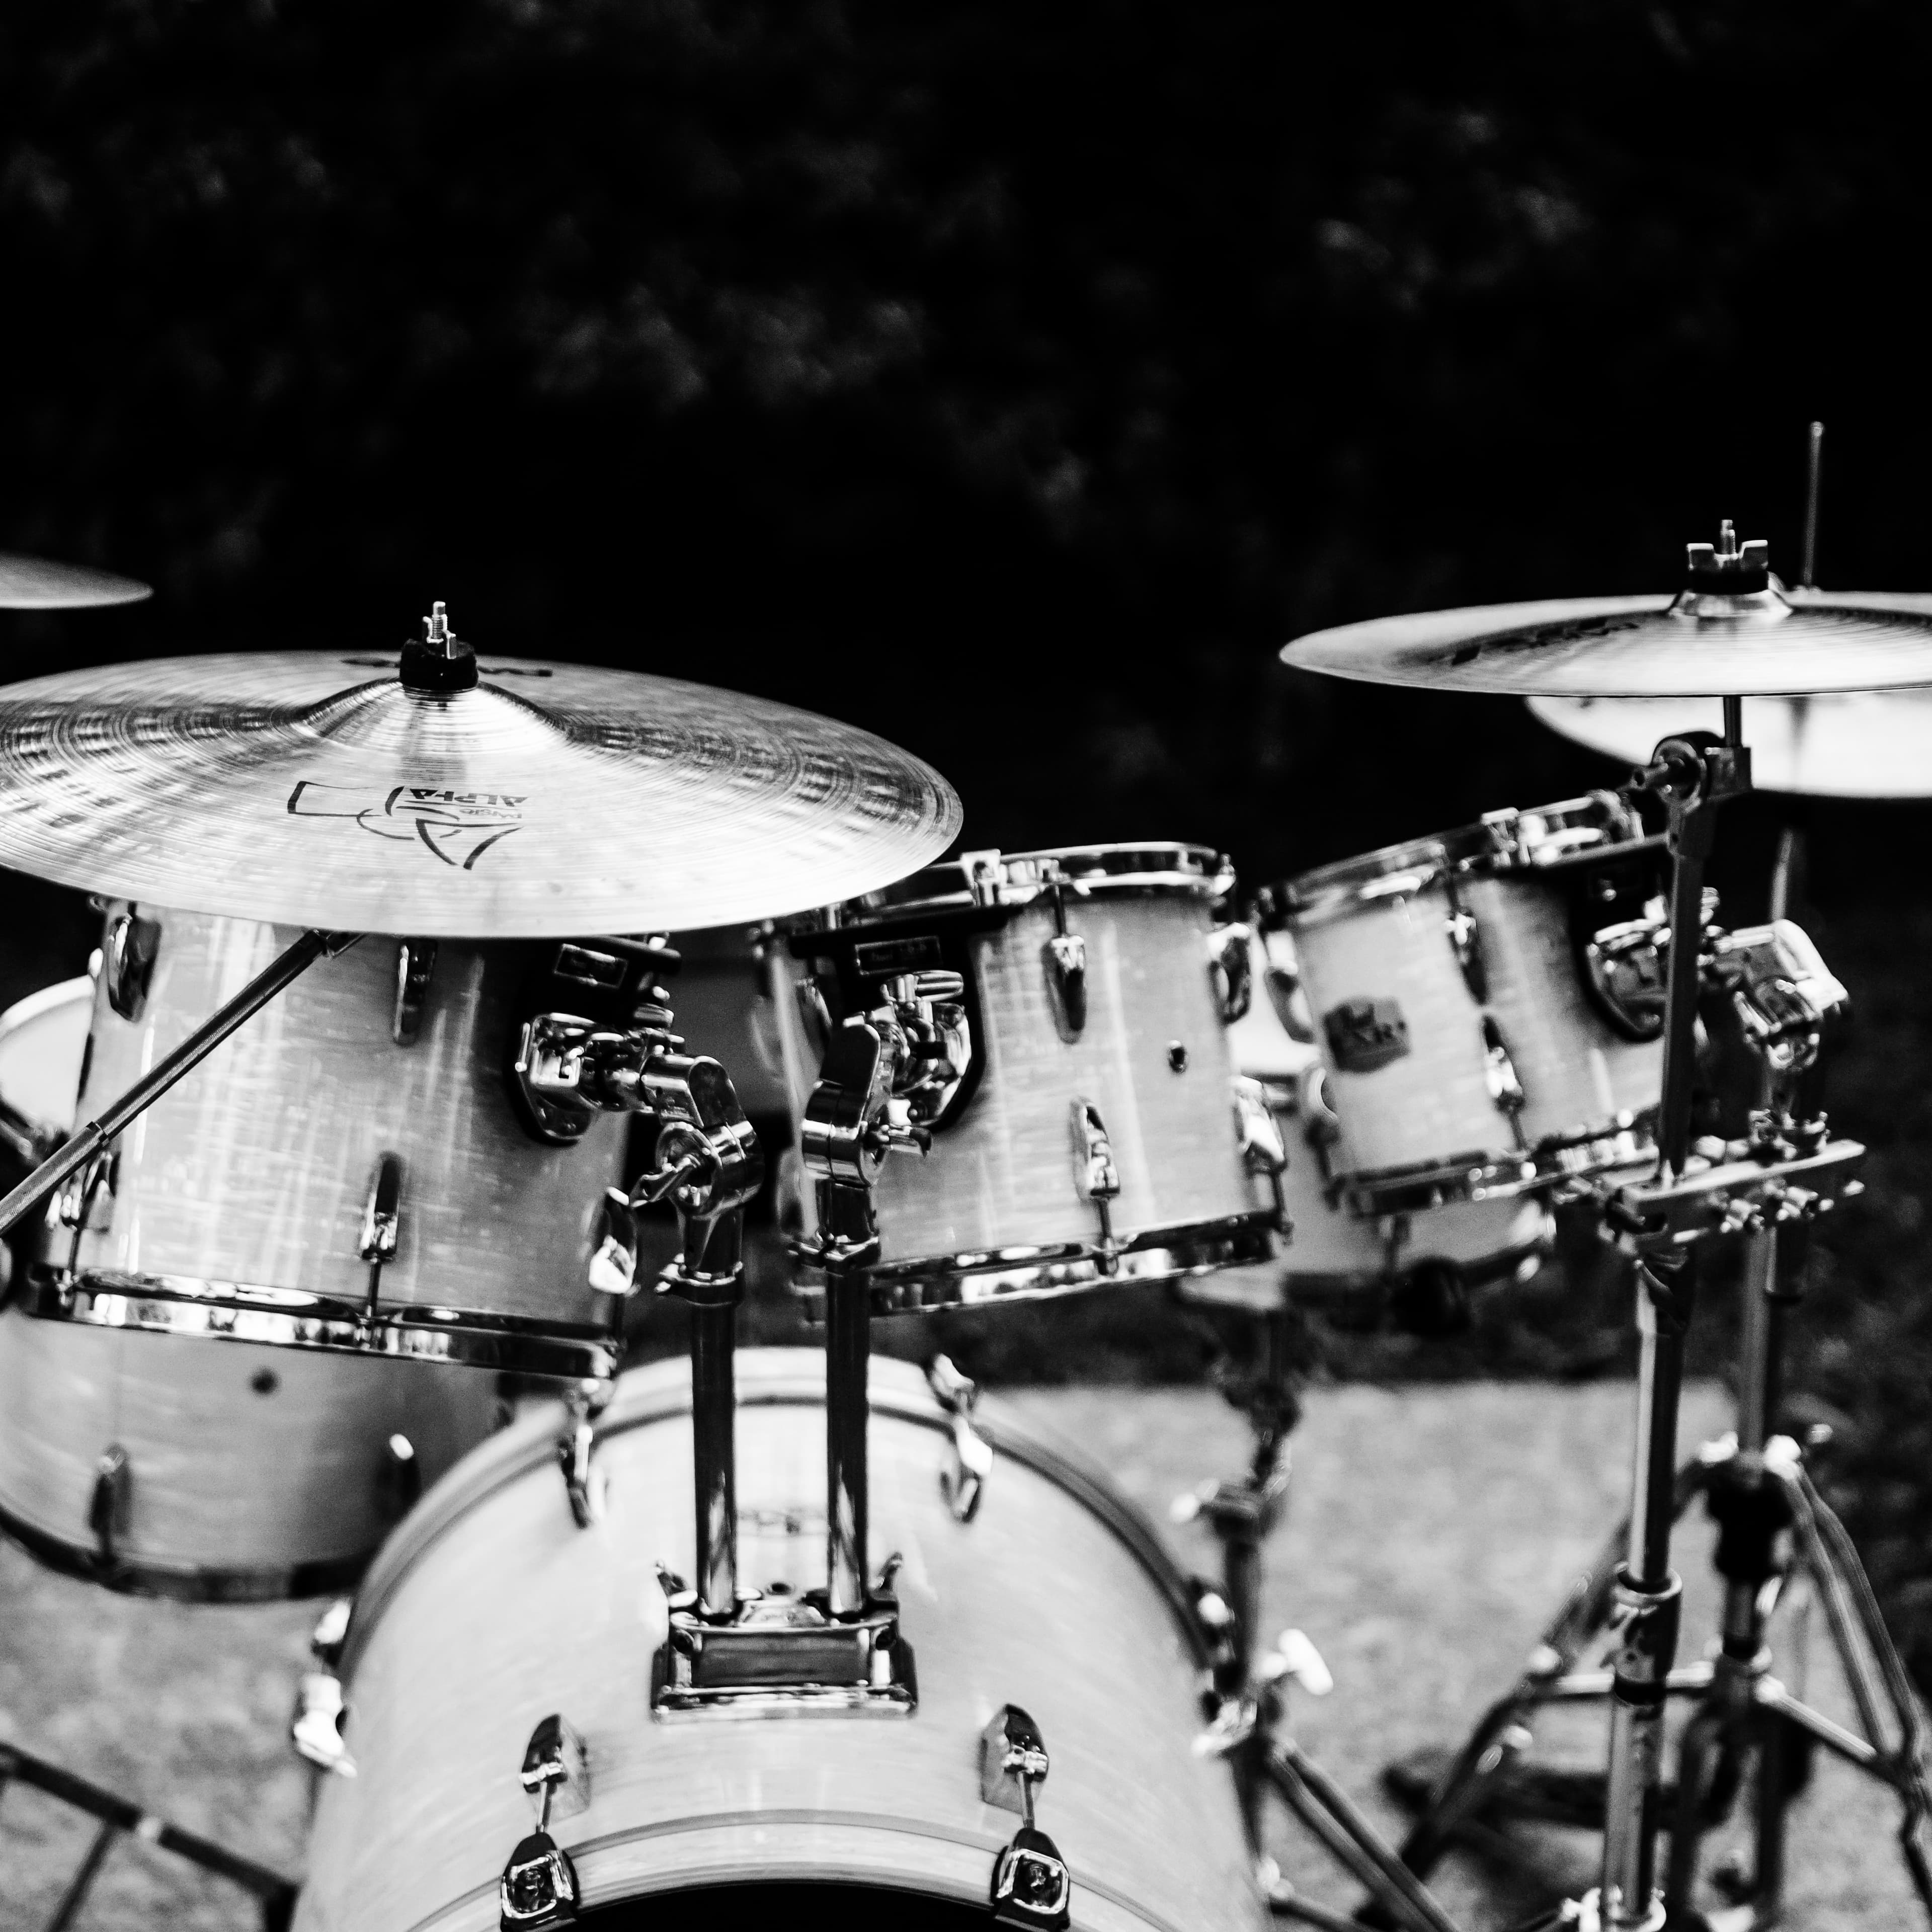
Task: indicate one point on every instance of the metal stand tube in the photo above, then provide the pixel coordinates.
(848, 1341)
(714, 1401)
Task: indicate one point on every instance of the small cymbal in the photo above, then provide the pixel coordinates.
(318, 789)
(1734, 631)
(1865, 744)
(32, 583)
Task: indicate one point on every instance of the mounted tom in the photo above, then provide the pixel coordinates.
(1489, 1003)
(1056, 1025)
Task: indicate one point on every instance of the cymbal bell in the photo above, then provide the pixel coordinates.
(1734, 631)
(33, 583)
(543, 800)
(1864, 744)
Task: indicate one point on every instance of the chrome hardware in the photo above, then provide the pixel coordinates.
(400, 1480)
(1066, 957)
(1230, 970)
(1281, 976)
(1294, 1660)
(614, 1268)
(416, 960)
(1258, 1134)
(556, 1776)
(1031, 1885)
(315, 1725)
(1096, 1177)
(1176, 1056)
(583, 1482)
(963, 1481)
(1626, 965)
(1781, 990)
(382, 1213)
(110, 1504)
(1465, 941)
(937, 1041)
(86, 1201)
(1499, 1074)
(815, 1013)
(1782, 1173)
(1365, 1034)
(127, 961)
(331, 1632)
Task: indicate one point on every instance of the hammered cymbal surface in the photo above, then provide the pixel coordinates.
(1862, 744)
(1638, 647)
(313, 789)
(33, 584)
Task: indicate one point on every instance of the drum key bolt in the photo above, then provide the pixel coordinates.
(1031, 1886)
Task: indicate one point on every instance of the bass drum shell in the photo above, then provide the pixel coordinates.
(249, 1472)
(491, 1610)
(253, 1175)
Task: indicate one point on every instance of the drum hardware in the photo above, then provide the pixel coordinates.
(382, 1229)
(416, 961)
(108, 1507)
(88, 1141)
(962, 1479)
(1031, 1885)
(402, 1476)
(1096, 1177)
(1244, 1696)
(1066, 967)
(118, 1817)
(127, 961)
(539, 1886)
(315, 1726)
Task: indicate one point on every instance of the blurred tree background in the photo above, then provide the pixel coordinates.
(1011, 381)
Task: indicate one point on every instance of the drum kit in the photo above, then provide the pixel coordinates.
(327, 1230)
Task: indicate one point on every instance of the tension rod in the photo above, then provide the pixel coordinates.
(88, 1141)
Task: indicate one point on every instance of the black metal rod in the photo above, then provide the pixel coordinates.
(1680, 1038)
(1814, 478)
(848, 1341)
(714, 1402)
(89, 1140)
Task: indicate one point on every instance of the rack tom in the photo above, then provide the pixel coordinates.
(1094, 1133)
(230, 1474)
(1488, 1003)
(351, 1171)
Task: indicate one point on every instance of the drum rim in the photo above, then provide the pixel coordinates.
(1530, 839)
(994, 878)
(772, 1378)
(31, 1006)
(195, 1309)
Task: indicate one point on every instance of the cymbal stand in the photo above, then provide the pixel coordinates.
(1248, 1705)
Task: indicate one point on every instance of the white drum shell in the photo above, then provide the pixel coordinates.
(1432, 1106)
(491, 1610)
(251, 1472)
(257, 1169)
(1003, 1175)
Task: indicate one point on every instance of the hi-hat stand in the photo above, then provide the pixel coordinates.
(1754, 1485)
(1248, 1725)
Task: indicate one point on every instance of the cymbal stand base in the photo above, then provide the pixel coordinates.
(1247, 1726)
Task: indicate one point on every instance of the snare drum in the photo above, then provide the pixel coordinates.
(350, 1170)
(491, 1611)
(227, 1474)
(1332, 1252)
(1488, 1003)
(1098, 992)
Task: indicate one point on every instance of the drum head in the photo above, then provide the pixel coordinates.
(765, 1908)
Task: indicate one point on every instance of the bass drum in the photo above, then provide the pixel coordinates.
(231, 1473)
(490, 1611)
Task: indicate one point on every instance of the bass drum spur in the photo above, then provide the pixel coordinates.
(491, 1613)
(351, 1171)
(1086, 1126)
(230, 1474)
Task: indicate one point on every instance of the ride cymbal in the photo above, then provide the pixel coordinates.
(32, 583)
(534, 800)
(1865, 744)
(1733, 631)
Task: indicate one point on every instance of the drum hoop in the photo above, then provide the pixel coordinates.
(1148, 868)
(1066, 1268)
(132, 1576)
(1628, 1141)
(32, 1007)
(1535, 839)
(765, 1381)
(280, 1318)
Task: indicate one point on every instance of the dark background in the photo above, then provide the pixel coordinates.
(1012, 380)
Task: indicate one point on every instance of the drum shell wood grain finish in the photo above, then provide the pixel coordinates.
(491, 1610)
(1002, 1175)
(257, 1168)
(251, 1472)
(1432, 1105)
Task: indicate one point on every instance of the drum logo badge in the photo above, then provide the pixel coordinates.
(458, 827)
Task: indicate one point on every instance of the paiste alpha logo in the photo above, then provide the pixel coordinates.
(458, 827)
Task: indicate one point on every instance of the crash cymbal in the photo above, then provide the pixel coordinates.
(1865, 744)
(32, 583)
(1732, 632)
(320, 789)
